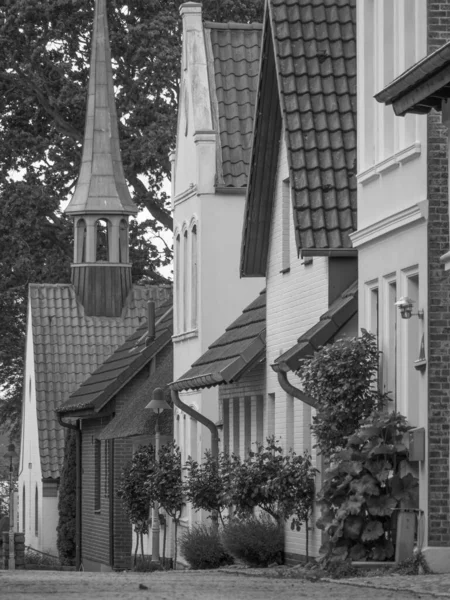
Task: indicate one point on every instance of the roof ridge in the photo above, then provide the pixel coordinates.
(232, 25)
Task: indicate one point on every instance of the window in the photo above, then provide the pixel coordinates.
(36, 512)
(194, 277)
(390, 340)
(123, 241)
(236, 425)
(23, 508)
(226, 424)
(97, 474)
(260, 419)
(185, 303)
(177, 258)
(102, 241)
(247, 424)
(286, 227)
(289, 422)
(270, 414)
(413, 329)
(81, 241)
(107, 466)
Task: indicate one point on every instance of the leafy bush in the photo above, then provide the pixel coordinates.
(340, 379)
(202, 548)
(282, 484)
(256, 541)
(363, 488)
(66, 543)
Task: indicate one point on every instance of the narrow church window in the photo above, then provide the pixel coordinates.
(185, 281)
(123, 241)
(97, 474)
(81, 241)
(177, 283)
(102, 242)
(36, 511)
(194, 278)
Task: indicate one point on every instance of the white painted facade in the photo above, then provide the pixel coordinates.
(295, 302)
(40, 518)
(392, 204)
(208, 291)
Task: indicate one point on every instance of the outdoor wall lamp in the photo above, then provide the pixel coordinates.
(405, 305)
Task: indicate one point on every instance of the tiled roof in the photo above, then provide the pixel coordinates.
(122, 365)
(68, 347)
(315, 46)
(422, 87)
(137, 420)
(237, 350)
(314, 67)
(233, 72)
(329, 324)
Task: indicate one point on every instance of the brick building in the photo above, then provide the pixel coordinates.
(113, 422)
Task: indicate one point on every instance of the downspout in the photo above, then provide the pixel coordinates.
(290, 389)
(201, 419)
(77, 428)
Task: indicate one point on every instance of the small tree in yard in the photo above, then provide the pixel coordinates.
(341, 378)
(207, 484)
(165, 485)
(282, 484)
(135, 495)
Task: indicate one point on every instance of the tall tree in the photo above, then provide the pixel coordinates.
(44, 58)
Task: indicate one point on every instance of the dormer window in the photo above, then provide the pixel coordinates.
(102, 241)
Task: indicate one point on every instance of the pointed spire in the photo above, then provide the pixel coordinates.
(101, 187)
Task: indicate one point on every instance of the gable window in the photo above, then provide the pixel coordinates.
(97, 474)
(286, 227)
(185, 281)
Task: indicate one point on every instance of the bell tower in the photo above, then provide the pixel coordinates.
(101, 204)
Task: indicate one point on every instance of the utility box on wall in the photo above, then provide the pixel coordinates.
(417, 444)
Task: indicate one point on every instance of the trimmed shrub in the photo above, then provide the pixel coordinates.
(203, 549)
(256, 541)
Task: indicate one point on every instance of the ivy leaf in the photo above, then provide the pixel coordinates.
(353, 526)
(372, 531)
(367, 486)
(382, 550)
(358, 552)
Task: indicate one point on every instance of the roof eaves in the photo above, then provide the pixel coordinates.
(245, 360)
(193, 383)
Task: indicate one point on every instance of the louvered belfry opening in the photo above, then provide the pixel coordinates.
(101, 204)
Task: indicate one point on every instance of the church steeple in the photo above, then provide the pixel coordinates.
(101, 204)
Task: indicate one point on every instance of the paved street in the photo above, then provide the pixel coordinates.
(51, 585)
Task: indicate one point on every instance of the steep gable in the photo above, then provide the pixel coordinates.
(311, 57)
(68, 347)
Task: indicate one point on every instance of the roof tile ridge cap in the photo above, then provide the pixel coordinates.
(255, 25)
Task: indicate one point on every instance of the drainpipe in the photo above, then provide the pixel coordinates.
(201, 419)
(292, 390)
(77, 428)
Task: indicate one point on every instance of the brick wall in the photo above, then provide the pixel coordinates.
(439, 303)
(96, 536)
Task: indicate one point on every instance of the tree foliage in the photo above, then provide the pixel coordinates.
(365, 485)
(132, 490)
(44, 58)
(342, 379)
(66, 534)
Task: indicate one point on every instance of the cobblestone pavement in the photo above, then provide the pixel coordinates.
(212, 585)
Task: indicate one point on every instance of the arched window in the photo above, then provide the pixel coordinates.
(36, 511)
(185, 281)
(23, 508)
(177, 282)
(81, 241)
(123, 241)
(102, 241)
(194, 277)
